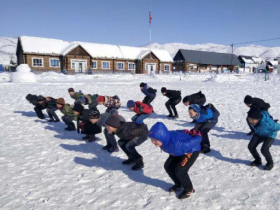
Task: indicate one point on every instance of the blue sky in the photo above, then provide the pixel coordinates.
(126, 22)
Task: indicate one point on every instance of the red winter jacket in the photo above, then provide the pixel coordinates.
(141, 108)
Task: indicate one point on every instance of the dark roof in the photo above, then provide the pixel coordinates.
(209, 58)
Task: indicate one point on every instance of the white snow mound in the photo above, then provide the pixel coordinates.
(23, 74)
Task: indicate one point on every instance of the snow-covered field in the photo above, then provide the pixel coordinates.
(44, 167)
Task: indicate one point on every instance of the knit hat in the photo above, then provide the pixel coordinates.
(187, 98)
(142, 84)
(113, 121)
(60, 101)
(93, 114)
(71, 90)
(248, 99)
(195, 107)
(40, 98)
(101, 99)
(130, 103)
(78, 107)
(255, 113)
(163, 89)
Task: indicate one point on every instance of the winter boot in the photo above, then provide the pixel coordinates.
(138, 165)
(106, 147)
(268, 166)
(128, 161)
(56, 121)
(92, 138)
(71, 127)
(250, 133)
(50, 120)
(113, 149)
(256, 162)
(85, 137)
(170, 115)
(205, 149)
(186, 194)
(174, 188)
(176, 116)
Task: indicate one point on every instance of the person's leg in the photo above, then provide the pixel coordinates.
(252, 146)
(204, 129)
(108, 144)
(167, 105)
(266, 153)
(169, 166)
(182, 169)
(252, 130)
(173, 105)
(68, 121)
(145, 100)
(140, 118)
(39, 112)
(50, 114)
(133, 119)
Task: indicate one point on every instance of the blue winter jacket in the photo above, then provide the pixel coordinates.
(146, 92)
(267, 126)
(176, 143)
(206, 115)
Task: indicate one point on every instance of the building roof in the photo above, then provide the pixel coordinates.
(38, 45)
(209, 58)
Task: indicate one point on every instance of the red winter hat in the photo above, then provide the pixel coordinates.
(101, 99)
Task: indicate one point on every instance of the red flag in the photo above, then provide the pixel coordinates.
(150, 17)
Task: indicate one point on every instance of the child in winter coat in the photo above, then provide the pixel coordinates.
(51, 108)
(90, 100)
(112, 103)
(68, 112)
(131, 135)
(265, 130)
(39, 102)
(249, 101)
(142, 111)
(149, 92)
(174, 99)
(206, 118)
(196, 98)
(75, 95)
(100, 119)
(83, 123)
(183, 150)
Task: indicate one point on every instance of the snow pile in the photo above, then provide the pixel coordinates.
(23, 74)
(4, 77)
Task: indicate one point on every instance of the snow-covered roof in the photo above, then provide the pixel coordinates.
(36, 45)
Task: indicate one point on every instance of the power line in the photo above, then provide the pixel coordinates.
(249, 42)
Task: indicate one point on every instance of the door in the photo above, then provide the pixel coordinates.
(151, 68)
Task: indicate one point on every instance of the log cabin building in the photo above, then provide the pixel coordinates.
(193, 60)
(43, 54)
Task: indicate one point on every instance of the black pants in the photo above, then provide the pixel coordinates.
(267, 142)
(68, 120)
(52, 114)
(91, 129)
(128, 146)
(110, 139)
(39, 112)
(178, 171)
(171, 103)
(148, 100)
(204, 129)
(249, 125)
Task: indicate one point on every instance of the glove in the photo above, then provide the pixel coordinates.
(193, 132)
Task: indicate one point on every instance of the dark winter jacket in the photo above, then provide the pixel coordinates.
(261, 104)
(34, 99)
(89, 128)
(91, 101)
(141, 108)
(196, 98)
(267, 126)
(148, 91)
(173, 94)
(68, 111)
(176, 143)
(51, 103)
(76, 96)
(207, 113)
(130, 130)
(103, 118)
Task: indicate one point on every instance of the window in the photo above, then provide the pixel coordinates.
(166, 67)
(73, 65)
(94, 64)
(54, 63)
(105, 65)
(131, 66)
(38, 62)
(120, 66)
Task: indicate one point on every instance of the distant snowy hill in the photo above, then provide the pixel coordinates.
(253, 50)
(8, 48)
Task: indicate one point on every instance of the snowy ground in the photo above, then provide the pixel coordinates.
(44, 167)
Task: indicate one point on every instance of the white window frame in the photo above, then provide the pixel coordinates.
(130, 68)
(37, 58)
(96, 64)
(54, 66)
(118, 66)
(168, 67)
(105, 62)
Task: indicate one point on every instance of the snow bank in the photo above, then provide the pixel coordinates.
(4, 77)
(23, 75)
